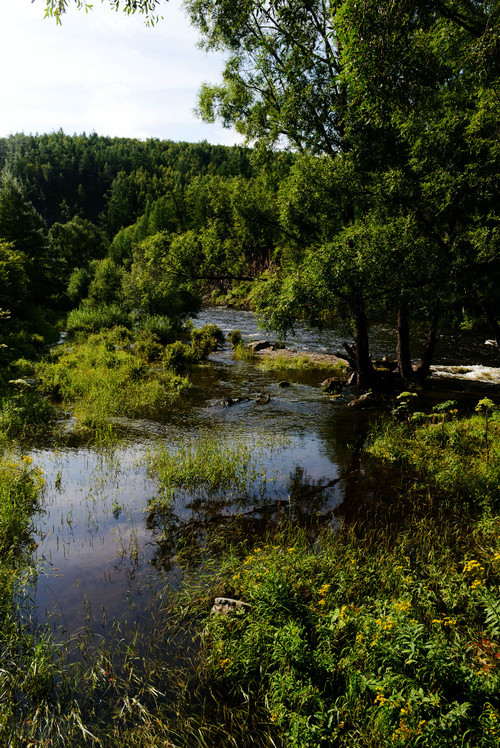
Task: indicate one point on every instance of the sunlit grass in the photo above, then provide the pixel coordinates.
(302, 363)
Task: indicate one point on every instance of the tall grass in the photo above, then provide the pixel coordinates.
(104, 377)
(370, 636)
(92, 320)
(208, 464)
(456, 459)
(302, 363)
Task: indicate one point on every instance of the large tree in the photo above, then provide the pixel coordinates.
(402, 98)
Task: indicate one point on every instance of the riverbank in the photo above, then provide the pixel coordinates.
(334, 547)
(379, 633)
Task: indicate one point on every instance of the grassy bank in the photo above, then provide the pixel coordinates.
(117, 372)
(362, 638)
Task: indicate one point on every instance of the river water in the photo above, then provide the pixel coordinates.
(103, 560)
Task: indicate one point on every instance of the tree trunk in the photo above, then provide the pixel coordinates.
(405, 367)
(424, 367)
(364, 366)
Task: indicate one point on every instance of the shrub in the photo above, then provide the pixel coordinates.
(235, 338)
(206, 340)
(86, 320)
(178, 356)
(165, 329)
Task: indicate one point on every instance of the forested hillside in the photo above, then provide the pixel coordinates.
(107, 220)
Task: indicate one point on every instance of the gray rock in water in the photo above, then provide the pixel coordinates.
(259, 345)
(263, 399)
(224, 605)
(365, 401)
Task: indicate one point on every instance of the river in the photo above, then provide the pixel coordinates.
(103, 562)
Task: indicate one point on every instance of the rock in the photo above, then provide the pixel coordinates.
(259, 345)
(332, 385)
(262, 399)
(365, 401)
(228, 401)
(224, 605)
(283, 383)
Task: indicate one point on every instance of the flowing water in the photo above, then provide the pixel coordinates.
(103, 558)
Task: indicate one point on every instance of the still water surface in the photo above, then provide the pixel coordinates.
(102, 561)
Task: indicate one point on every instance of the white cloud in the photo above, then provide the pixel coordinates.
(103, 71)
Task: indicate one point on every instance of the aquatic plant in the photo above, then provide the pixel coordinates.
(104, 376)
(207, 463)
(242, 352)
(206, 340)
(235, 338)
(25, 415)
(303, 363)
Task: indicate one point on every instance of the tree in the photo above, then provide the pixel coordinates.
(429, 72)
(13, 279)
(73, 245)
(57, 8)
(161, 278)
(390, 93)
(24, 228)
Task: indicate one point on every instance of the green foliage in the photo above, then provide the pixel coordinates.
(90, 320)
(24, 415)
(458, 458)
(235, 338)
(179, 356)
(207, 465)
(242, 352)
(206, 340)
(105, 285)
(13, 278)
(349, 641)
(74, 244)
(165, 329)
(103, 376)
(159, 281)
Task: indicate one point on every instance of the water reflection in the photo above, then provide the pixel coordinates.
(105, 552)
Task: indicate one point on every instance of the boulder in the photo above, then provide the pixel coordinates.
(224, 605)
(365, 401)
(259, 345)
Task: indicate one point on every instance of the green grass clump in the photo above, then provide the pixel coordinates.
(301, 363)
(242, 352)
(91, 320)
(458, 459)
(207, 465)
(24, 415)
(104, 376)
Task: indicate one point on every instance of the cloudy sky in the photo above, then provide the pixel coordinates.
(104, 72)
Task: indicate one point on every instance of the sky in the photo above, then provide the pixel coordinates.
(104, 72)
